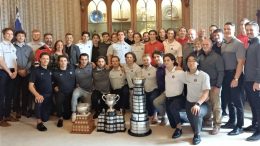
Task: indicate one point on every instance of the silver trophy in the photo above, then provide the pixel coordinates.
(110, 100)
(83, 108)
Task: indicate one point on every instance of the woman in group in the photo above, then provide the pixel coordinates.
(198, 86)
(58, 50)
(175, 101)
(150, 87)
(138, 48)
(118, 83)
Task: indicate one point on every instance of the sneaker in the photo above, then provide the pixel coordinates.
(73, 117)
(215, 131)
(11, 119)
(154, 120)
(4, 123)
(41, 127)
(60, 123)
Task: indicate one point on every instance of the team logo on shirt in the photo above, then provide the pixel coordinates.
(42, 73)
(195, 80)
(71, 72)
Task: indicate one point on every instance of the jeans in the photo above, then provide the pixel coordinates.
(77, 93)
(196, 121)
(173, 108)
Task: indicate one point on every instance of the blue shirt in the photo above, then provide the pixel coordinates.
(64, 79)
(42, 79)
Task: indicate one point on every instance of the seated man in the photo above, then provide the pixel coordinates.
(84, 84)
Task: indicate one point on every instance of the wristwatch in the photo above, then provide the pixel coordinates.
(198, 104)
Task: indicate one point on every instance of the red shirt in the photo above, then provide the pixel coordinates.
(39, 51)
(149, 48)
(182, 41)
(244, 39)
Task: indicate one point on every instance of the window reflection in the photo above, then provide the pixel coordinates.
(171, 13)
(146, 15)
(121, 16)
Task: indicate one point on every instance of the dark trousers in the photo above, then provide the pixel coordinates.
(254, 101)
(196, 121)
(124, 97)
(150, 96)
(5, 98)
(63, 104)
(43, 109)
(97, 102)
(22, 97)
(173, 108)
(233, 97)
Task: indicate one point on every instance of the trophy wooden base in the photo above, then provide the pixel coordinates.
(84, 124)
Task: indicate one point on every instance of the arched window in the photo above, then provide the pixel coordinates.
(97, 16)
(146, 15)
(171, 14)
(121, 17)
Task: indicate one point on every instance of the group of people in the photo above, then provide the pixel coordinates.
(183, 71)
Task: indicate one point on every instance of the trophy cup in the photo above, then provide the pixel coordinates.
(110, 100)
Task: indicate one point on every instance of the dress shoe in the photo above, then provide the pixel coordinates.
(254, 137)
(4, 123)
(11, 119)
(41, 127)
(228, 125)
(215, 130)
(236, 131)
(250, 128)
(196, 139)
(60, 123)
(177, 133)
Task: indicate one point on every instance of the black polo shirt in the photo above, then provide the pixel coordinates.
(65, 79)
(42, 79)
